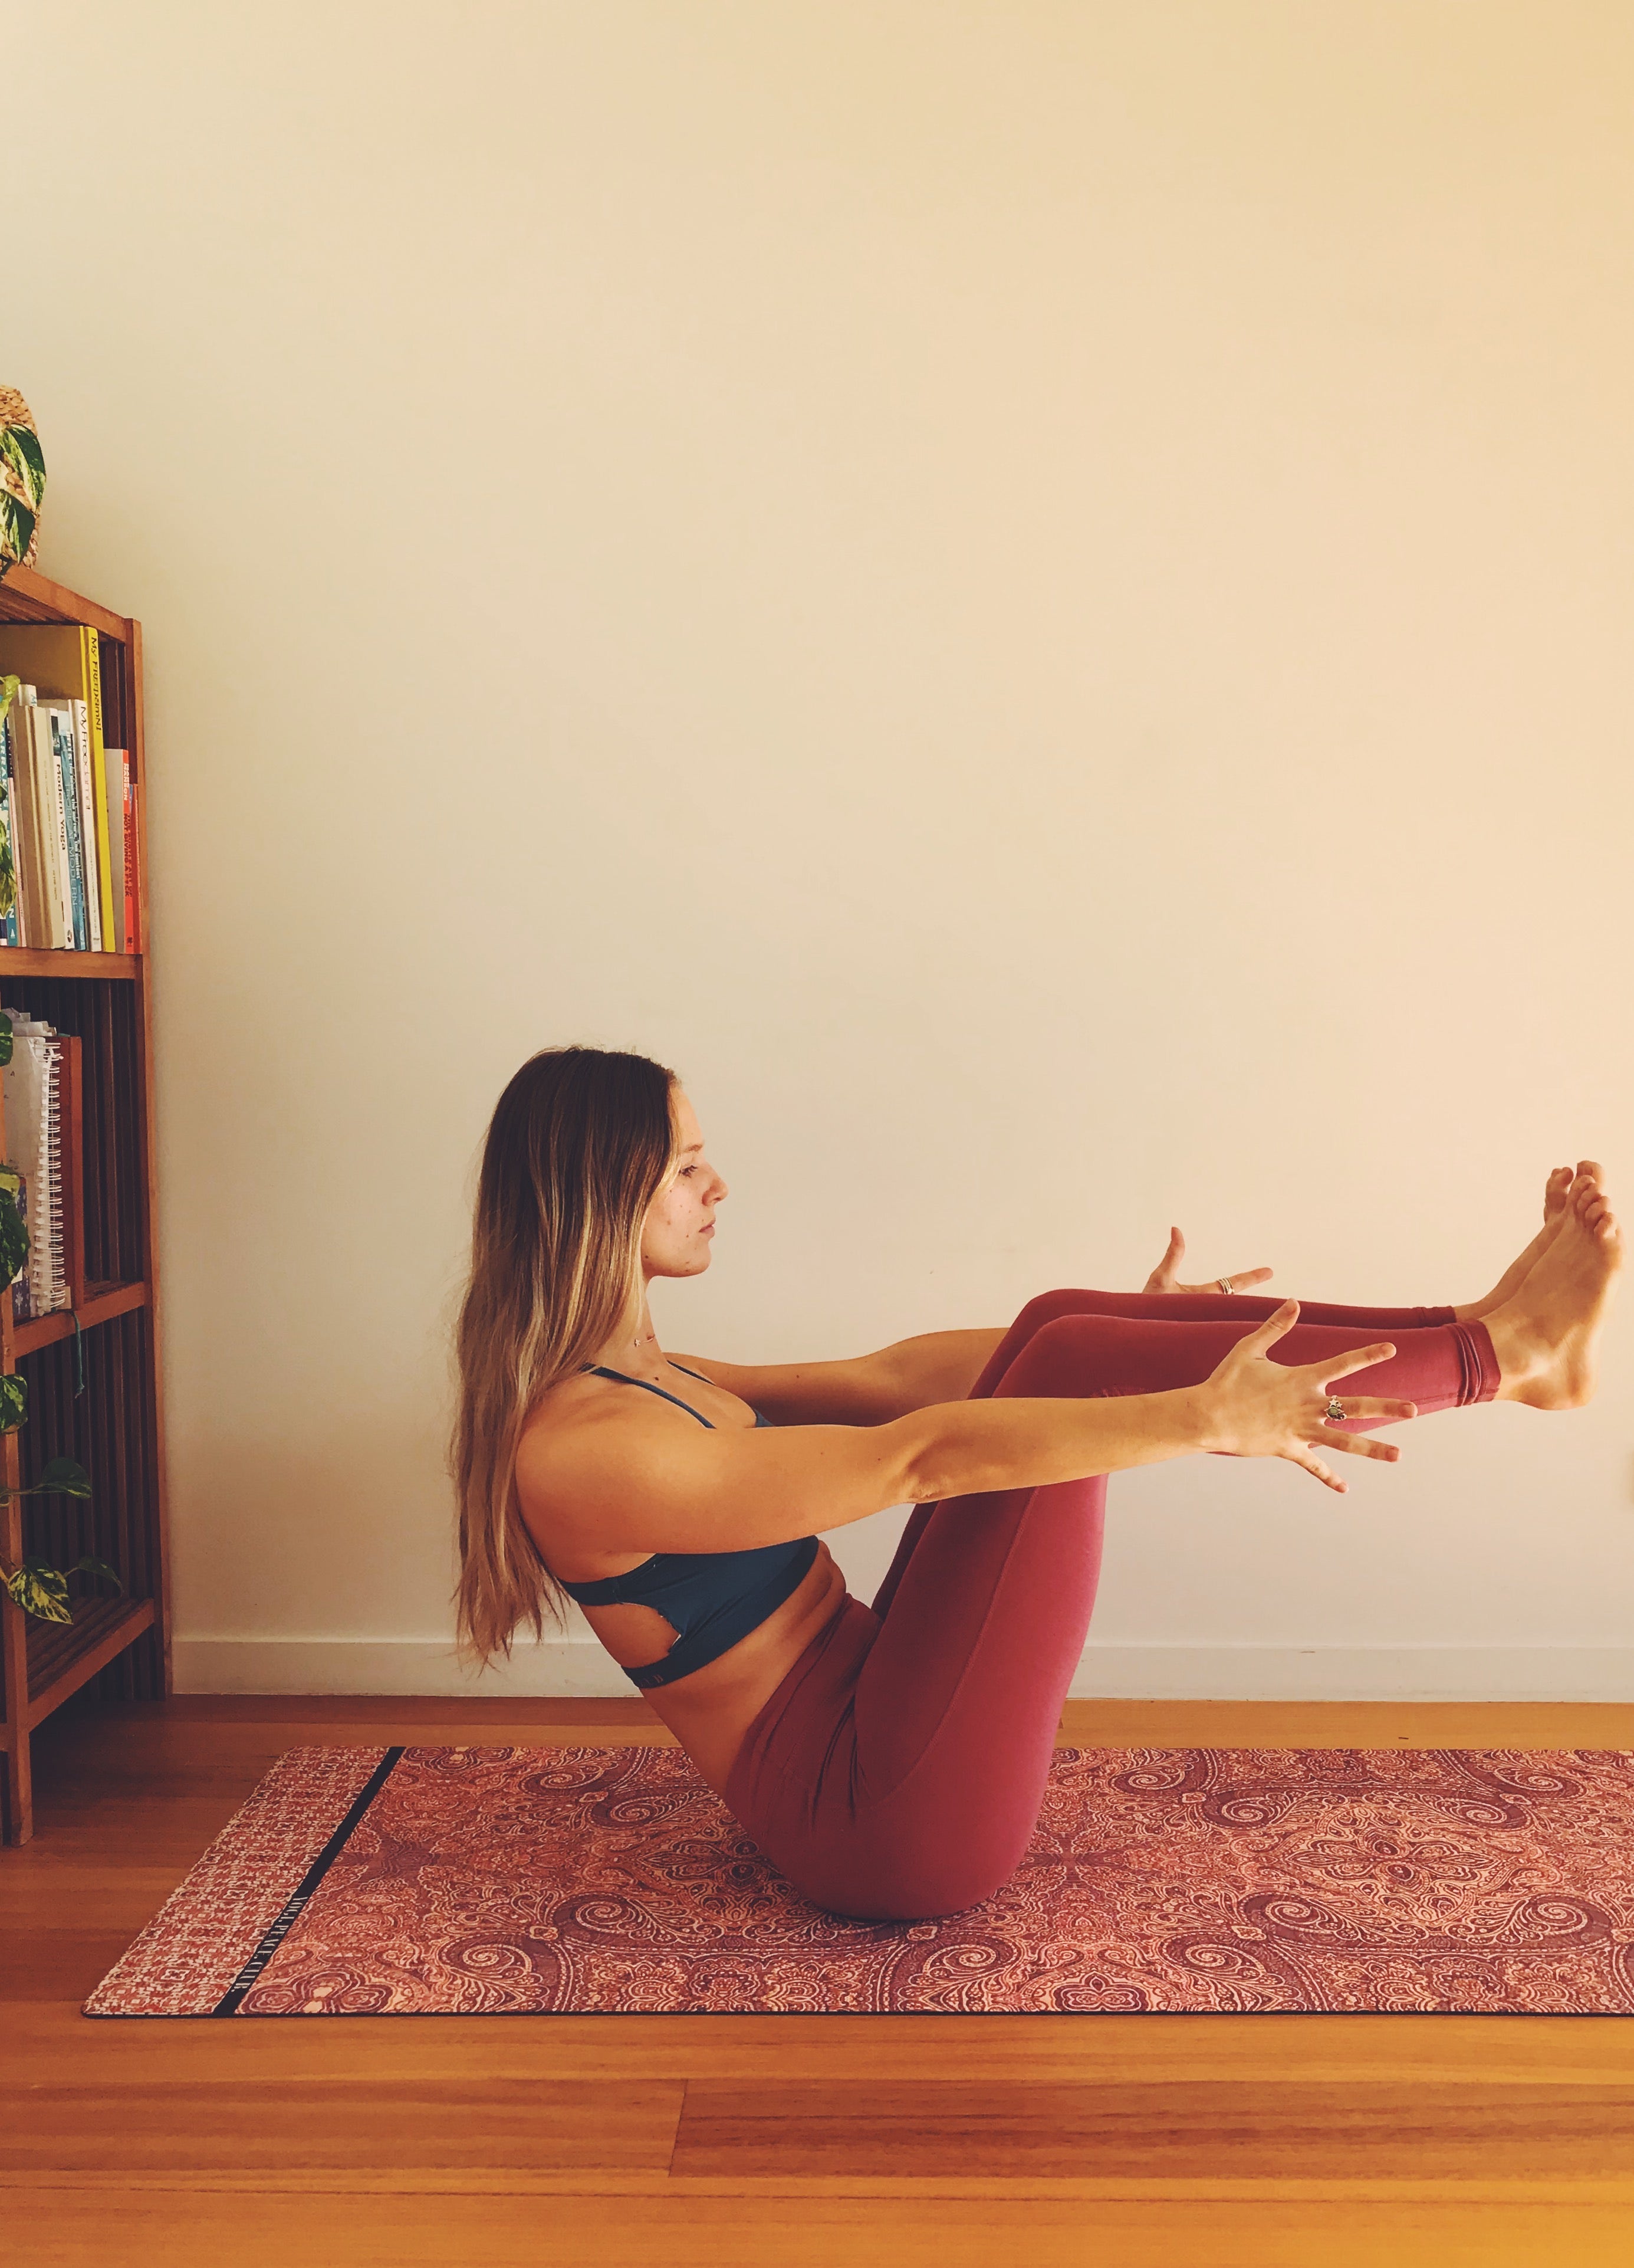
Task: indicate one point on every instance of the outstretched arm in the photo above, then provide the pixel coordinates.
(869, 1389)
(630, 1480)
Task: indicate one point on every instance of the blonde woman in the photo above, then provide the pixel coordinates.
(890, 1758)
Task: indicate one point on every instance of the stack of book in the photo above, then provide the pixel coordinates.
(39, 1088)
(66, 801)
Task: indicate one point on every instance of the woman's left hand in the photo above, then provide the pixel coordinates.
(1162, 1278)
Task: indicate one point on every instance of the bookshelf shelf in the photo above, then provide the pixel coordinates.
(64, 1656)
(102, 1302)
(34, 961)
(93, 1371)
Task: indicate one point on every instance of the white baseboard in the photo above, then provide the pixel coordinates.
(1356, 1673)
(564, 1667)
(577, 1666)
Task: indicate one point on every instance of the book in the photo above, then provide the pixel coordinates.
(32, 929)
(39, 763)
(114, 760)
(133, 896)
(63, 742)
(34, 1085)
(49, 772)
(10, 923)
(86, 797)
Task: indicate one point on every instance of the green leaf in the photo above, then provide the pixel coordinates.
(9, 874)
(20, 447)
(41, 1592)
(17, 525)
(89, 1567)
(13, 1398)
(61, 1477)
(13, 1251)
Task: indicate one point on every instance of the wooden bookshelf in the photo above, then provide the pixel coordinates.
(93, 1371)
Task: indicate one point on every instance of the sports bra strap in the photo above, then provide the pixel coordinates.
(600, 1370)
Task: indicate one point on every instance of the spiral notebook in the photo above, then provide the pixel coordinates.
(39, 1086)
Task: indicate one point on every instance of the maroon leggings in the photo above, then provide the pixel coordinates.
(897, 1772)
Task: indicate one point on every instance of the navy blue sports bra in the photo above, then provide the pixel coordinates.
(711, 1598)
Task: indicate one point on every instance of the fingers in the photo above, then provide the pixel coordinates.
(1357, 1445)
(1335, 1366)
(1314, 1465)
(1275, 1326)
(1162, 1277)
(1249, 1278)
(1375, 1409)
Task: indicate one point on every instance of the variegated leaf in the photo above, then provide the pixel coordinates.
(22, 452)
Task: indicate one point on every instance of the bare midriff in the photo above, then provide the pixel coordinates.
(710, 1710)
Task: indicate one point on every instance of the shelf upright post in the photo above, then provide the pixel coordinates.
(147, 1145)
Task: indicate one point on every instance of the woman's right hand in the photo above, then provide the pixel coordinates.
(1258, 1408)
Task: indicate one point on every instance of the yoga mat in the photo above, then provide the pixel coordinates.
(563, 1881)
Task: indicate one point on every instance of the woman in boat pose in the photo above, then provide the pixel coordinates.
(891, 1758)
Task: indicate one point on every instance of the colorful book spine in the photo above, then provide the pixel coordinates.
(73, 839)
(114, 760)
(11, 924)
(51, 842)
(25, 842)
(133, 927)
(84, 796)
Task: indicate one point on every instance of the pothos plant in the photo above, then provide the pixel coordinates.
(38, 1588)
(22, 481)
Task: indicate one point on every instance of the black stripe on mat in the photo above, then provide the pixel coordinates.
(228, 2004)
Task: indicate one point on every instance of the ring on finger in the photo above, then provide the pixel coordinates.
(1226, 1285)
(1335, 1412)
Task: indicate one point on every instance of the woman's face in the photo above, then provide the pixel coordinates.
(681, 1220)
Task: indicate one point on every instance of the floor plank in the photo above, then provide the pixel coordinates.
(65, 2228)
(1173, 2130)
(52, 2044)
(237, 2129)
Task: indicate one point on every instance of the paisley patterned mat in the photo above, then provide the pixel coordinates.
(550, 1880)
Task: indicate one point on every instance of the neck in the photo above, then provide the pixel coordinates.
(634, 1348)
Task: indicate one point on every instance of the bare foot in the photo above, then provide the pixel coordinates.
(1557, 1190)
(1547, 1338)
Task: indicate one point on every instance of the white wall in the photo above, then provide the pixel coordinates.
(1037, 595)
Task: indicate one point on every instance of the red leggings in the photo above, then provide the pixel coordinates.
(897, 1772)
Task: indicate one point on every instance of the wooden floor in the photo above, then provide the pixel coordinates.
(715, 2142)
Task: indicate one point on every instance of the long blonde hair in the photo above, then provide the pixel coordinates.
(581, 1142)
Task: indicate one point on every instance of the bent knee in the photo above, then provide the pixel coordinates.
(1047, 1307)
(1064, 1356)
